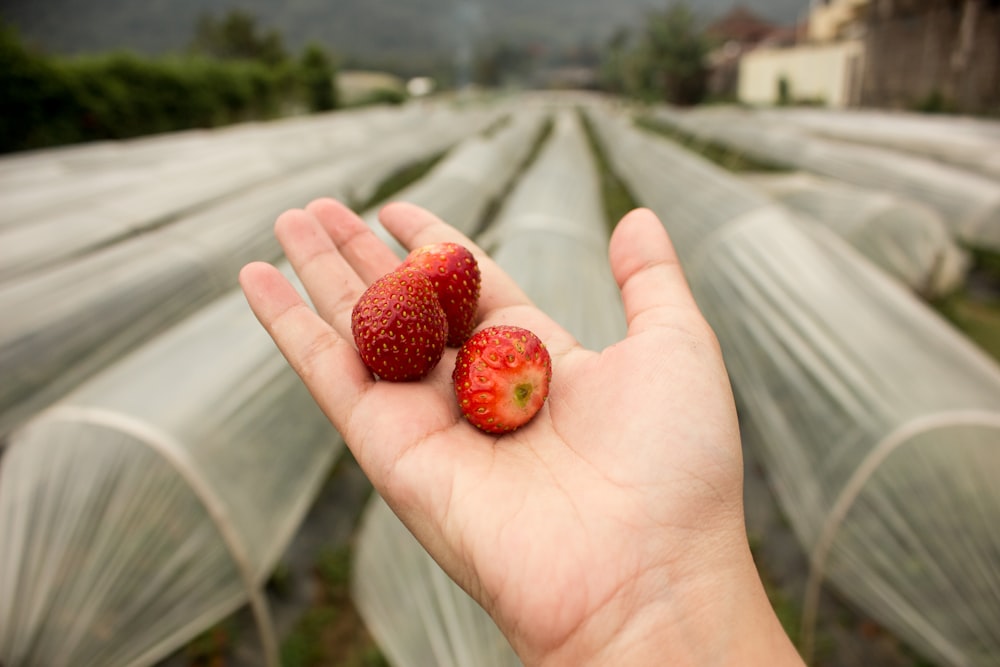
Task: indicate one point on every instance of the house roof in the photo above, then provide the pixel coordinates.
(740, 24)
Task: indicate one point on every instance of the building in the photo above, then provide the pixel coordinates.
(823, 66)
(941, 55)
(733, 35)
(935, 55)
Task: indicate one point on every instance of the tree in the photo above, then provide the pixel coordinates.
(237, 37)
(499, 63)
(317, 74)
(39, 108)
(668, 61)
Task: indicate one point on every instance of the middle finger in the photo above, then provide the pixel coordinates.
(356, 242)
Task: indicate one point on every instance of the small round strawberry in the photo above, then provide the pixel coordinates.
(399, 326)
(501, 377)
(455, 274)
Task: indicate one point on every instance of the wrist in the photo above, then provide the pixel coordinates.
(710, 613)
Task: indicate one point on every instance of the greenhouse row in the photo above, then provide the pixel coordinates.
(859, 399)
(105, 302)
(160, 455)
(160, 452)
(968, 201)
(963, 141)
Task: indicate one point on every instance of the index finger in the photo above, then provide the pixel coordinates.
(328, 363)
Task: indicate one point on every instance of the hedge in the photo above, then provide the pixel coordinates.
(51, 101)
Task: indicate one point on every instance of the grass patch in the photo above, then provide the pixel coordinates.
(494, 128)
(398, 180)
(543, 135)
(617, 198)
(979, 321)
(303, 647)
(726, 158)
(331, 632)
(208, 648)
(493, 208)
(975, 309)
(788, 612)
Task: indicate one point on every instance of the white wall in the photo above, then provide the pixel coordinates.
(827, 72)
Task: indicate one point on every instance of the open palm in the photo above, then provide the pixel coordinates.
(616, 509)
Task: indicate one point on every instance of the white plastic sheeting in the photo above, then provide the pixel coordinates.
(905, 238)
(35, 184)
(878, 424)
(64, 324)
(971, 143)
(131, 191)
(416, 613)
(157, 498)
(462, 187)
(552, 237)
(968, 203)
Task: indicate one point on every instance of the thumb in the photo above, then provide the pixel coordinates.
(649, 275)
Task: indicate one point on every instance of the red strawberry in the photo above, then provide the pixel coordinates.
(399, 326)
(455, 274)
(502, 378)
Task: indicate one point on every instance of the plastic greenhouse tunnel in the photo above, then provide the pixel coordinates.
(877, 422)
(146, 184)
(157, 498)
(903, 237)
(417, 614)
(107, 302)
(160, 453)
(551, 235)
(964, 141)
(969, 203)
(463, 187)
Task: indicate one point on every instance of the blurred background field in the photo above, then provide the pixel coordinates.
(829, 173)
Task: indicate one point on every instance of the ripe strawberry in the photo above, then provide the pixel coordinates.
(455, 274)
(399, 326)
(502, 378)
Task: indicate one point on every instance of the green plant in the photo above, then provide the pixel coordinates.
(334, 570)
(304, 647)
(280, 581)
(397, 181)
(317, 74)
(717, 153)
(52, 101)
(668, 62)
(39, 108)
(237, 36)
(784, 91)
(934, 102)
(212, 644)
(372, 657)
(977, 313)
(615, 195)
(392, 96)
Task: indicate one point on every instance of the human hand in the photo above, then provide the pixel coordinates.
(609, 529)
